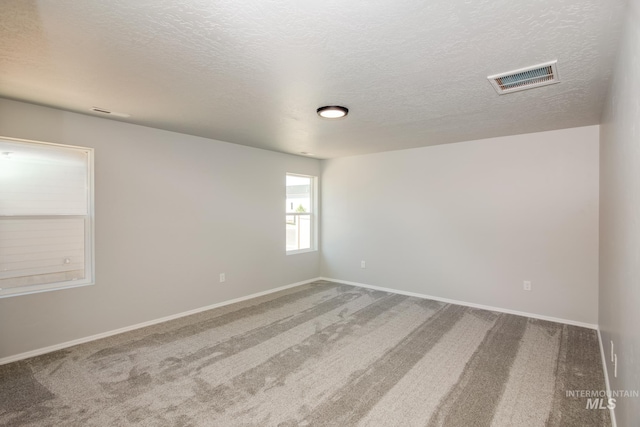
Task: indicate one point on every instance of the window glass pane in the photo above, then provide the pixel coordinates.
(38, 179)
(298, 194)
(46, 228)
(38, 251)
(298, 232)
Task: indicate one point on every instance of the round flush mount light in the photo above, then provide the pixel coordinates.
(333, 112)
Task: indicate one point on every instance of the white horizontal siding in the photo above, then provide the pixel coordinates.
(39, 247)
(48, 255)
(43, 279)
(45, 216)
(42, 180)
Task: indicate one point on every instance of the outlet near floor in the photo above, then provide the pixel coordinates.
(612, 351)
(222, 277)
(526, 285)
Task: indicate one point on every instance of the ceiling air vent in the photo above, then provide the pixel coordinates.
(525, 78)
(108, 112)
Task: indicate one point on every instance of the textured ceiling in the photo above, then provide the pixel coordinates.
(412, 73)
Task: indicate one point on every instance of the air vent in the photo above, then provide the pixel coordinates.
(525, 78)
(108, 112)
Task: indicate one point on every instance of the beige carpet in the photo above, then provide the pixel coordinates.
(322, 354)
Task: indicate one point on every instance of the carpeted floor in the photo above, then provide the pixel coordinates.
(322, 354)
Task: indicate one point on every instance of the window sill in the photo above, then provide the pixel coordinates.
(27, 290)
(301, 251)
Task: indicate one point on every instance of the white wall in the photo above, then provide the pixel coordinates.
(467, 221)
(172, 212)
(470, 221)
(620, 220)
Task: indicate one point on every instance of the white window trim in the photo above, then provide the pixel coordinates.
(89, 227)
(313, 215)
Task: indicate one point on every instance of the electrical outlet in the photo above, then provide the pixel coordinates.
(363, 264)
(222, 277)
(526, 285)
(611, 351)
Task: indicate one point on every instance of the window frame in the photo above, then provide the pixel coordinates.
(89, 227)
(313, 215)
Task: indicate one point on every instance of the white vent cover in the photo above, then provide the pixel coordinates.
(525, 78)
(108, 112)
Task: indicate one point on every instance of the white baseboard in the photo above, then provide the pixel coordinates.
(60, 346)
(467, 304)
(603, 356)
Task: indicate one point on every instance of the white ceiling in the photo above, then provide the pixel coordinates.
(253, 72)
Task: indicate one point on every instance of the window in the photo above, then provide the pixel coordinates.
(300, 213)
(46, 216)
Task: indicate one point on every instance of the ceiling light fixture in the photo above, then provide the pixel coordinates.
(333, 112)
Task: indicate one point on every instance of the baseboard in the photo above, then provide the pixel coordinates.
(56, 347)
(603, 356)
(60, 346)
(467, 304)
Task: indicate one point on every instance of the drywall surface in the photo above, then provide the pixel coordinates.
(620, 221)
(471, 221)
(172, 213)
(412, 72)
